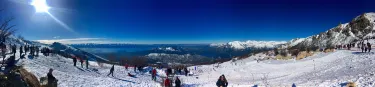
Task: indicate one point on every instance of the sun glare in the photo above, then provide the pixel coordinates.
(40, 5)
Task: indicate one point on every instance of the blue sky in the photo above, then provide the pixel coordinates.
(181, 21)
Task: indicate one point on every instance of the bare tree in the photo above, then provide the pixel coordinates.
(6, 30)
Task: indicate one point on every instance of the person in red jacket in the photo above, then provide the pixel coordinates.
(154, 74)
(126, 66)
(167, 83)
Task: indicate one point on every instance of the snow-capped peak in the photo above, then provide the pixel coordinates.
(249, 44)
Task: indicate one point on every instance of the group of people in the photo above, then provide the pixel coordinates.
(184, 71)
(168, 82)
(46, 51)
(347, 46)
(362, 45)
(365, 47)
(75, 58)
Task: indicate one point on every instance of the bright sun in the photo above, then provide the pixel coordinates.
(40, 5)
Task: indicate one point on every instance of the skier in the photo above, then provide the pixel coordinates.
(111, 71)
(87, 63)
(222, 82)
(154, 74)
(52, 81)
(74, 60)
(167, 83)
(368, 46)
(177, 82)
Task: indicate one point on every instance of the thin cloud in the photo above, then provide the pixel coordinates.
(80, 41)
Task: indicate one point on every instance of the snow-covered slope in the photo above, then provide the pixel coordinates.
(96, 76)
(361, 27)
(249, 44)
(321, 70)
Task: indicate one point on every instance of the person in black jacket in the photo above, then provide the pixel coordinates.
(111, 71)
(74, 61)
(51, 79)
(222, 82)
(21, 51)
(368, 46)
(177, 82)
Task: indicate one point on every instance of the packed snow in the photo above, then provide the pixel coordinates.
(320, 70)
(76, 76)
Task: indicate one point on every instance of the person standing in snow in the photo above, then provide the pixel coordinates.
(153, 74)
(368, 46)
(37, 51)
(177, 82)
(52, 81)
(222, 82)
(167, 83)
(186, 71)
(14, 49)
(362, 46)
(87, 63)
(111, 71)
(74, 60)
(81, 60)
(135, 68)
(126, 66)
(21, 51)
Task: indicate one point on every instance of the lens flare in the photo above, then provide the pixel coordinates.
(40, 5)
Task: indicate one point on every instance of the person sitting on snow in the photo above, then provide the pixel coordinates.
(222, 82)
(52, 81)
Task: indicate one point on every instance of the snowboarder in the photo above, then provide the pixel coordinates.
(74, 60)
(154, 74)
(52, 81)
(87, 63)
(167, 83)
(222, 82)
(368, 46)
(177, 82)
(111, 71)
